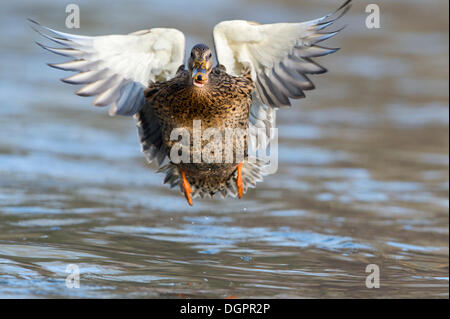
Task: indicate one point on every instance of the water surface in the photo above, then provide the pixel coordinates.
(363, 169)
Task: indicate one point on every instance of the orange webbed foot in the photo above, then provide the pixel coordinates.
(186, 188)
(239, 182)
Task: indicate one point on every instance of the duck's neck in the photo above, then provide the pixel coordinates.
(199, 93)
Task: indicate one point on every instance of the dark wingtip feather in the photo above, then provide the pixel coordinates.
(343, 8)
(35, 30)
(333, 50)
(35, 24)
(33, 21)
(330, 19)
(41, 45)
(47, 48)
(347, 4)
(301, 56)
(68, 81)
(57, 66)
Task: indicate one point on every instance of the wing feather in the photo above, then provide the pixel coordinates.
(117, 68)
(279, 55)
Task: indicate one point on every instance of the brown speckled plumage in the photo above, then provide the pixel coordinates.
(224, 102)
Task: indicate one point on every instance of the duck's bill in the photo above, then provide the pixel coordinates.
(199, 77)
(199, 83)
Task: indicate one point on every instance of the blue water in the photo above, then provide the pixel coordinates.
(362, 179)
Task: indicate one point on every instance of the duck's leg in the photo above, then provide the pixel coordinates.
(186, 188)
(239, 183)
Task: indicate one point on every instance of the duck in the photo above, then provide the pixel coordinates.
(203, 124)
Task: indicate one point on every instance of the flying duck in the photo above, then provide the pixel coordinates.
(260, 68)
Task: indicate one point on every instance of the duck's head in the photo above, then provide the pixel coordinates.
(200, 64)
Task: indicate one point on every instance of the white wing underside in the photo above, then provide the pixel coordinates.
(279, 57)
(117, 68)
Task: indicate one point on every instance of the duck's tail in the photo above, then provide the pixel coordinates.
(252, 172)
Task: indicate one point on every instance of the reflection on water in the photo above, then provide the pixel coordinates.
(363, 171)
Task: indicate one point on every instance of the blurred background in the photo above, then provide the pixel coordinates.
(363, 168)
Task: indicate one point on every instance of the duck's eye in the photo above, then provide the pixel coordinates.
(192, 54)
(210, 56)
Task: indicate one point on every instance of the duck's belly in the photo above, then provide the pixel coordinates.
(216, 132)
(206, 148)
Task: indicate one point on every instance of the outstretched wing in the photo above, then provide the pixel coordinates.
(117, 68)
(279, 55)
